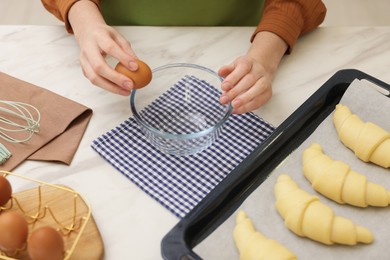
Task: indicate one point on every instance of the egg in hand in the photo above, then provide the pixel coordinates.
(141, 77)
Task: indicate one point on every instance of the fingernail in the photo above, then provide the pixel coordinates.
(128, 85)
(224, 99)
(236, 103)
(124, 92)
(133, 65)
(226, 86)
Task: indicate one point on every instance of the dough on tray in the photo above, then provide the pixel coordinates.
(306, 216)
(368, 141)
(335, 180)
(253, 245)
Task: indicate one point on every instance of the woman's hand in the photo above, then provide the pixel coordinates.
(96, 40)
(248, 80)
(247, 84)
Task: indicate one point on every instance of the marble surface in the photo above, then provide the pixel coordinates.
(131, 223)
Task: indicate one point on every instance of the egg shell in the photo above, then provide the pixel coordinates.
(5, 190)
(45, 243)
(141, 77)
(13, 231)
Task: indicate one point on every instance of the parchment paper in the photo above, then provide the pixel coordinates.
(369, 105)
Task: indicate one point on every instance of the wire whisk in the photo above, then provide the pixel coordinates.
(18, 121)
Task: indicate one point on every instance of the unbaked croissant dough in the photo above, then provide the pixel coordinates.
(368, 141)
(306, 216)
(252, 245)
(335, 180)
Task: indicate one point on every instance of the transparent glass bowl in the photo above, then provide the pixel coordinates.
(179, 111)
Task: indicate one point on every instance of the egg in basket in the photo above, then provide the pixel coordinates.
(45, 221)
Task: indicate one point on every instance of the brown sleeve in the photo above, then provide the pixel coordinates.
(291, 18)
(60, 9)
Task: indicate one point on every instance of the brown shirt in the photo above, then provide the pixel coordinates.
(287, 18)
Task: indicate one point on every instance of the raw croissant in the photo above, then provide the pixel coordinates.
(368, 141)
(306, 216)
(335, 180)
(252, 245)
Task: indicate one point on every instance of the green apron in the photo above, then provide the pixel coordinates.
(183, 12)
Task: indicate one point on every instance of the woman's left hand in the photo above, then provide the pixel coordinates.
(247, 84)
(248, 80)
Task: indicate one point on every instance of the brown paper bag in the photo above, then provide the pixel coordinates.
(62, 125)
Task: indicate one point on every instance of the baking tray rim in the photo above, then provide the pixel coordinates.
(228, 195)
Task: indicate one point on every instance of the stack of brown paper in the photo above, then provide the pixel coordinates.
(62, 125)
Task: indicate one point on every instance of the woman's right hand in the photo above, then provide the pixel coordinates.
(96, 40)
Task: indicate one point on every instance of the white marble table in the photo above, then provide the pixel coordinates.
(131, 223)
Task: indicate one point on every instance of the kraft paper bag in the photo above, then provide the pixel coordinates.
(62, 124)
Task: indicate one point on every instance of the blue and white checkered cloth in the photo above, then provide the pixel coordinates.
(179, 183)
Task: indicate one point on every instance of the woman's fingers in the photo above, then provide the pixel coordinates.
(247, 85)
(103, 83)
(253, 98)
(107, 41)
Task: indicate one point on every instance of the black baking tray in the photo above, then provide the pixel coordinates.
(224, 200)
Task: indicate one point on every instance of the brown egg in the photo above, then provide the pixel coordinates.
(141, 77)
(45, 243)
(13, 231)
(5, 191)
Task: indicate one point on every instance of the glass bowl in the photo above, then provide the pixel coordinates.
(179, 111)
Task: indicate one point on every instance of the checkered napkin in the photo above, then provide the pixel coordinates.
(179, 183)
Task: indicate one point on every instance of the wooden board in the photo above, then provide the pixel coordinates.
(68, 208)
